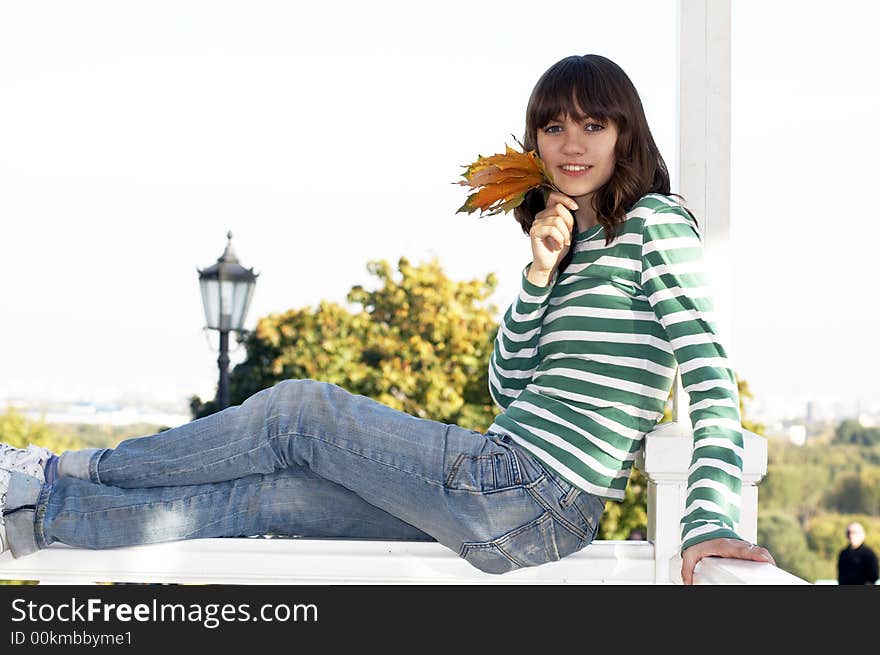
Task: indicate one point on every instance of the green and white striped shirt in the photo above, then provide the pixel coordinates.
(583, 367)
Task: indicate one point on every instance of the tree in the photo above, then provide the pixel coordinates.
(782, 535)
(857, 492)
(851, 431)
(619, 519)
(794, 488)
(420, 345)
(17, 430)
(827, 537)
(744, 394)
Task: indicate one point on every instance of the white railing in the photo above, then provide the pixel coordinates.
(664, 460)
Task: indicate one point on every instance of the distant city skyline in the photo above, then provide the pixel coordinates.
(133, 136)
(125, 409)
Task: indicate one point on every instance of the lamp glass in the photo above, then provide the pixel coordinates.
(226, 302)
(211, 301)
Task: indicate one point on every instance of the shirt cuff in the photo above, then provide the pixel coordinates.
(720, 533)
(534, 289)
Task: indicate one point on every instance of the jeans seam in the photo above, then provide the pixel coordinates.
(93, 466)
(540, 521)
(559, 517)
(40, 516)
(576, 533)
(574, 492)
(496, 543)
(588, 521)
(71, 512)
(354, 452)
(569, 497)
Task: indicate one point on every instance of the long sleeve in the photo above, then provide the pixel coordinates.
(515, 354)
(675, 281)
(872, 572)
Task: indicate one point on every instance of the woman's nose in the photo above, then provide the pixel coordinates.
(574, 144)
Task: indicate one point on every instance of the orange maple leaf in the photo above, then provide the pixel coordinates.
(502, 180)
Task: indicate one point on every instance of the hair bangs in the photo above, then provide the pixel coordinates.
(571, 89)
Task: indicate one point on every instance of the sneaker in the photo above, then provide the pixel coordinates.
(4, 487)
(31, 460)
(27, 490)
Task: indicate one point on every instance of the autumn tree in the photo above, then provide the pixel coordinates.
(420, 344)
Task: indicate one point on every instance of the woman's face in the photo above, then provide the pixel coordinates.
(588, 142)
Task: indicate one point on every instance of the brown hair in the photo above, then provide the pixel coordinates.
(604, 91)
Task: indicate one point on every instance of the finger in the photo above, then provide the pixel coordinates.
(556, 197)
(755, 553)
(562, 212)
(559, 236)
(546, 234)
(551, 235)
(552, 211)
(565, 228)
(687, 572)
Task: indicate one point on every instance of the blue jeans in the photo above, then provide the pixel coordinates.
(308, 458)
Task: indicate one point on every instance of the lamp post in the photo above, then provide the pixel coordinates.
(227, 288)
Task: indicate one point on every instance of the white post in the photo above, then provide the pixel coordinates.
(754, 470)
(703, 149)
(664, 461)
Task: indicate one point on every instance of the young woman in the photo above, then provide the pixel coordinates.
(583, 362)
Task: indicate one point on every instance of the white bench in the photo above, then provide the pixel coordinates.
(314, 561)
(664, 460)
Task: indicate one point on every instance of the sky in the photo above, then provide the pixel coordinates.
(134, 135)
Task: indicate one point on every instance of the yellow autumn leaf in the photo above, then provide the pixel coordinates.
(502, 180)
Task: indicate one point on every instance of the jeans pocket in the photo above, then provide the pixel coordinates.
(538, 542)
(569, 496)
(494, 469)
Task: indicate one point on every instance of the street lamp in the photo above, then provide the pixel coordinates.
(227, 288)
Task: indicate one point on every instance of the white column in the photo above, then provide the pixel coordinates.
(754, 470)
(665, 461)
(703, 150)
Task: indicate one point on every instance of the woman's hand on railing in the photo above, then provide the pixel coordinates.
(724, 547)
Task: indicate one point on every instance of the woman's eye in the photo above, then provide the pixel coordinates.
(549, 128)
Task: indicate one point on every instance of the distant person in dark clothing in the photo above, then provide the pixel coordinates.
(857, 563)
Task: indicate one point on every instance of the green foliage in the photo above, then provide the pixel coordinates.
(19, 431)
(851, 431)
(746, 394)
(856, 493)
(793, 488)
(420, 344)
(822, 486)
(782, 535)
(826, 532)
(619, 519)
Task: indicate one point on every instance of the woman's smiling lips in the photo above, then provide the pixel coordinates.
(575, 172)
